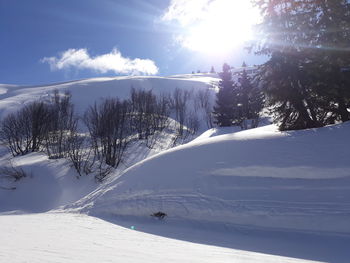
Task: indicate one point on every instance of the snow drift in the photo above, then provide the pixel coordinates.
(261, 177)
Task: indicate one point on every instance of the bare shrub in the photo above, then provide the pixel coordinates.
(142, 107)
(109, 127)
(192, 123)
(61, 125)
(179, 105)
(202, 101)
(80, 153)
(102, 171)
(24, 131)
(13, 172)
(160, 119)
(149, 113)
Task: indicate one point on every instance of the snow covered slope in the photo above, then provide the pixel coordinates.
(87, 92)
(230, 196)
(77, 238)
(264, 178)
(48, 185)
(53, 183)
(5, 87)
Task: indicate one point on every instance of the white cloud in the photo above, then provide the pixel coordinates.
(113, 61)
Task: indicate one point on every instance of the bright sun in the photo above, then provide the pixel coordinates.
(223, 26)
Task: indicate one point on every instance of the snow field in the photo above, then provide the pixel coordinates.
(75, 238)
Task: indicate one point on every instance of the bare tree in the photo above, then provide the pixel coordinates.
(179, 105)
(143, 107)
(192, 123)
(62, 123)
(80, 153)
(13, 172)
(202, 101)
(109, 127)
(149, 113)
(24, 131)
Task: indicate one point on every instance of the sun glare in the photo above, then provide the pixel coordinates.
(225, 25)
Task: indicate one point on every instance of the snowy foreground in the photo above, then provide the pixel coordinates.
(78, 238)
(250, 196)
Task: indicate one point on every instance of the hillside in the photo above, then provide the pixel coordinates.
(257, 195)
(261, 177)
(87, 92)
(53, 183)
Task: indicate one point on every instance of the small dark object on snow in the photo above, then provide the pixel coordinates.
(159, 215)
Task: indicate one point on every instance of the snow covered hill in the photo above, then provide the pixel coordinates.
(258, 195)
(87, 92)
(48, 185)
(52, 183)
(261, 177)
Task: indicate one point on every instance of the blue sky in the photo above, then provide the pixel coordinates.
(45, 41)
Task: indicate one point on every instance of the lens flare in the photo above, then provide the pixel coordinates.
(219, 26)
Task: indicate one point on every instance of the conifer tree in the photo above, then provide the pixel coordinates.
(329, 62)
(225, 99)
(250, 101)
(307, 43)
